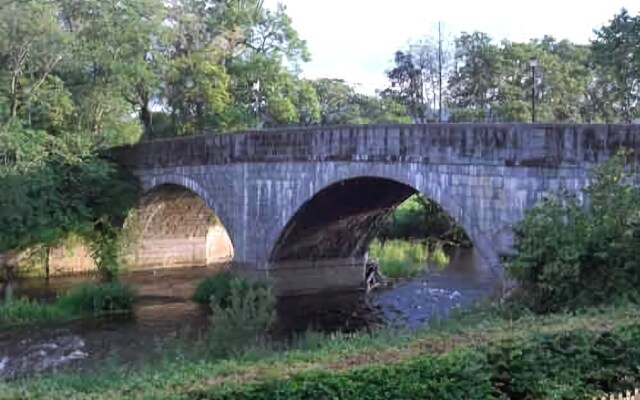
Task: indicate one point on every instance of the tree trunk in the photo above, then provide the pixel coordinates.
(147, 122)
(14, 96)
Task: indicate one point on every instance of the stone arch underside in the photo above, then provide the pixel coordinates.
(330, 231)
(340, 221)
(174, 226)
(301, 231)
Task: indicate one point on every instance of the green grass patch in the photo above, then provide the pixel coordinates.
(404, 259)
(21, 311)
(83, 300)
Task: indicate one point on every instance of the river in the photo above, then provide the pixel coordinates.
(165, 312)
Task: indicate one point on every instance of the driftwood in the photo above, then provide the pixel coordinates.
(373, 278)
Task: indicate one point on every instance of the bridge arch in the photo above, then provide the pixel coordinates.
(332, 220)
(175, 224)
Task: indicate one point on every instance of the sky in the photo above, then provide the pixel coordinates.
(355, 39)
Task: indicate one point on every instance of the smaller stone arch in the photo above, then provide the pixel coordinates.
(176, 225)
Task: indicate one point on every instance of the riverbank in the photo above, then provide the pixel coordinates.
(184, 375)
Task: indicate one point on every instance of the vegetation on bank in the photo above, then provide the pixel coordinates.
(574, 253)
(404, 259)
(560, 356)
(92, 300)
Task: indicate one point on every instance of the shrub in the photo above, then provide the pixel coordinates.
(567, 365)
(573, 254)
(459, 375)
(242, 321)
(94, 299)
(219, 286)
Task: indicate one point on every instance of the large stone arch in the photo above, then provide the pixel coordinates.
(426, 180)
(178, 225)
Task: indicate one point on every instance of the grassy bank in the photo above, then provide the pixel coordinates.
(404, 259)
(472, 338)
(82, 301)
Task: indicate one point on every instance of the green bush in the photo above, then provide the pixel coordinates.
(573, 254)
(568, 365)
(459, 375)
(219, 286)
(94, 299)
(242, 321)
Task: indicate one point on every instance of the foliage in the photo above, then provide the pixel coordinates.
(243, 321)
(459, 375)
(420, 218)
(567, 365)
(419, 78)
(572, 254)
(403, 259)
(48, 199)
(19, 311)
(80, 301)
(193, 374)
(493, 81)
(617, 56)
(219, 286)
(91, 299)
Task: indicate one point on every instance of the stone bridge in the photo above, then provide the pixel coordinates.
(301, 205)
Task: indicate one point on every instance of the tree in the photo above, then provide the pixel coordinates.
(617, 54)
(32, 44)
(474, 83)
(418, 79)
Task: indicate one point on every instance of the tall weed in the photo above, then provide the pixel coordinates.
(243, 321)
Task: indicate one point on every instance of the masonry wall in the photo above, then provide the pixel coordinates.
(485, 175)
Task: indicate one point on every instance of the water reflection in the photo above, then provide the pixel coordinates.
(165, 312)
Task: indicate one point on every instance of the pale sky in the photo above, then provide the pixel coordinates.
(355, 39)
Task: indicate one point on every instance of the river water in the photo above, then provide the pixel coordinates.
(164, 312)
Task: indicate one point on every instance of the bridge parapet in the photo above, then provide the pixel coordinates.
(548, 145)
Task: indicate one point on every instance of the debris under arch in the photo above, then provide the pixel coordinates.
(373, 277)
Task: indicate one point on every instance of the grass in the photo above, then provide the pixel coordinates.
(84, 300)
(24, 311)
(404, 259)
(182, 373)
